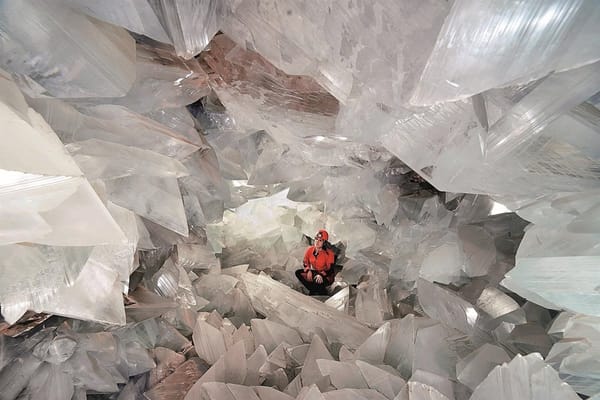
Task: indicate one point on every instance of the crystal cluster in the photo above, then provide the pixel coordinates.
(165, 164)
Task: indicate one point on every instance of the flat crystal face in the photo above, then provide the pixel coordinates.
(166, 166)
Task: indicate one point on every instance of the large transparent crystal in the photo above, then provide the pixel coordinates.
(525, 377)
(263, 97)
(162, 80)
(106, 160)
(358, 47)
(95, 59)
(36, 165)
(136, 16)
(283, 304)
(81, 282)
(190, 24)
(473, 369)
(559, 252)
(554, 96)
(575, 355)
(492, 45)
(155, 198)
(179, 382)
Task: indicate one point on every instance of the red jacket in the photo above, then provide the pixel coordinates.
(322, 262)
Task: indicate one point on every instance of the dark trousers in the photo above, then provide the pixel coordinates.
(315, 289)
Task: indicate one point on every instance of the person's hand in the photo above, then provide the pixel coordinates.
(319, 279)
(309, 276)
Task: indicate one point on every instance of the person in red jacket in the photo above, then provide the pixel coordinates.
(317, 273)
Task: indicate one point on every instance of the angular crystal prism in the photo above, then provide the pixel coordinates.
(189, 24)
(475, 52)
(525, 377)
(281, 303)
(104, 54)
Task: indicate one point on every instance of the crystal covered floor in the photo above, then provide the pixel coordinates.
(165, 162)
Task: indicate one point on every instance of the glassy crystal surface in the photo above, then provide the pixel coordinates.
(189, 24)
(445, 306)
(342, 50)
(155, 198)
(473, 369)
(270, 334)
(163, 81)
(575, 357)
(178, 119)
(78, 299)
(208, 341)
(445, 263)
(186, 152)
(36, 166)
(540, 246)
(540, 39)
(104, 55)
(283, 304)
(264, 97)
(104, 160)
(166, 362)
(179, 382)
(386, 383)
(136, 16)
(525, 377)
(113, 124)
(172, 143)
(554, 96)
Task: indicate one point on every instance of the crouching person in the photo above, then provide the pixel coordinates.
(318, 273)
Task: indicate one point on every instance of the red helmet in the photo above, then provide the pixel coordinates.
(324, 234)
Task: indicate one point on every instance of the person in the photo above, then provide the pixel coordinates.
(319, 258)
